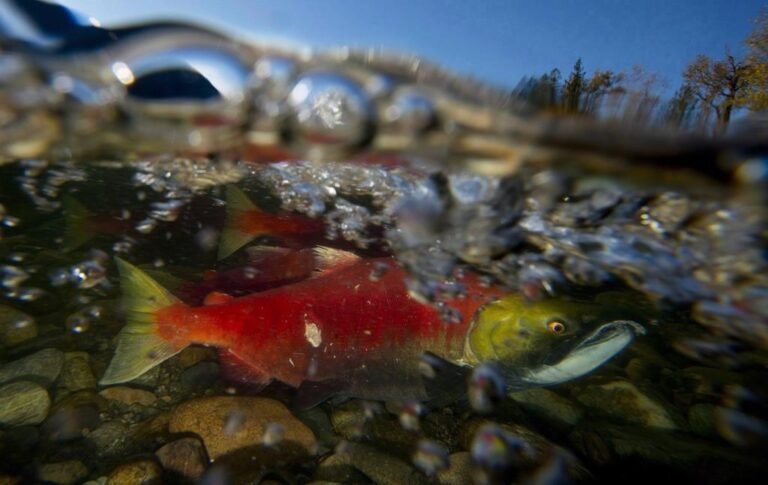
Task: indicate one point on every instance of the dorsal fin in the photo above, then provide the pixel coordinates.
(217, 298)
(328, 260)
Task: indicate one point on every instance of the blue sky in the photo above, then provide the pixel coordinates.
(495, 40)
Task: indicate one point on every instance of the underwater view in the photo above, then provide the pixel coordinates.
(234, 259)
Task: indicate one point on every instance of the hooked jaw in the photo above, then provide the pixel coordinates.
(596, 349)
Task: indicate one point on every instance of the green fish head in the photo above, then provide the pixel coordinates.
(524, 336)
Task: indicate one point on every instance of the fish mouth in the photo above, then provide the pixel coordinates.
(593, 351)
(610, 331)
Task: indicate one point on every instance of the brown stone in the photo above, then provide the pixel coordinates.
(76, 374)
(227, 423)
(23, 403)
(459, 470)
(139, 472)
(63, 472)
(128, 395)
(185, 456)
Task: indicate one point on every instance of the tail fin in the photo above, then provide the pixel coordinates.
(76, 215)
(232, 237)
(139, 347)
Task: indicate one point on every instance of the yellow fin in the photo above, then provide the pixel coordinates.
(232, 238)
(139, 347)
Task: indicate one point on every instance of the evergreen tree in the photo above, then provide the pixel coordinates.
(574, 88)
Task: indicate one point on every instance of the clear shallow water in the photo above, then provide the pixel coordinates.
(680, 400)
(682, 237)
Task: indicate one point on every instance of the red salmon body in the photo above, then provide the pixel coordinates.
(345, 325)
(322, 328)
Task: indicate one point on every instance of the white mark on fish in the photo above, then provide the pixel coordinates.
(312, 334)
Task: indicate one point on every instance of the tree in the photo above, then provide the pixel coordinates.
(719, 85)
(681, 109)
(542, 92)
(755, 96)
(600, 84)
(574, 88)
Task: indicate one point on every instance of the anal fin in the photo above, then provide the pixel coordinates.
(242, 374)
(311, 393)
(385, 380)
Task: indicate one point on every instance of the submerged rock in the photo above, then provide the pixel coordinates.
(507, 452)
(337, 468)
(63, 472)
(623, 401)
(76, 373)
(379, 466)
(74, 416)
(226, 423)
(185, 456)
(15, 326)
(23, 403)
(42, 367)
(651, 448)
(549, 406)
(139, 472)
(459, 470)
(110, 438)
(128, 395)
(199, 376)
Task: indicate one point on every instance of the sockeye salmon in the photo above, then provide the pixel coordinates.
(355, 325)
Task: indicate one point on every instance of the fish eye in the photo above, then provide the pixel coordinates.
(556, 327)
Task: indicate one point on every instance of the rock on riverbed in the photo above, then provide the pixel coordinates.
(42, 367)
(23, 403)
(227, 423)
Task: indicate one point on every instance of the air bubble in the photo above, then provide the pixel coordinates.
(12, 276)
(330, 109)
(77, 323)
(497, 451)
(273, 434)
(26, 294)
(430, 457)
(430, 365)
(486, 388)
(207, 239)
(88, 274)
(234, 422)
(379, 270)
(146, 226)
(410, 415)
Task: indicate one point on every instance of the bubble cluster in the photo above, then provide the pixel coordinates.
(87, 274)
